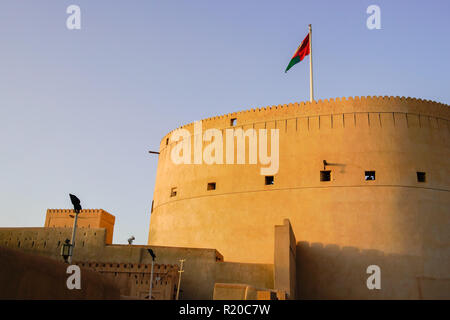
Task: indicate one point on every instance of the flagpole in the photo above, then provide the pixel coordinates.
(311, 88)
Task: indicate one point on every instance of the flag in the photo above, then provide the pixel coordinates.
(303, 50)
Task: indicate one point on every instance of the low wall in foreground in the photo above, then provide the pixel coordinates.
(30, 276)
(202, 267)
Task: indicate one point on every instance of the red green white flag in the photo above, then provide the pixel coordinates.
(302, 51)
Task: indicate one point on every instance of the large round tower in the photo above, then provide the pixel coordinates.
(364, 172)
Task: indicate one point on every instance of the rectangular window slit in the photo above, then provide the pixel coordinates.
(269, 180)
(369, 175)
(211, 186)
(421, 177)
(325, 175)
(173, 192)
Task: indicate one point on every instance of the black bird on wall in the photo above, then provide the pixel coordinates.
(76, 203)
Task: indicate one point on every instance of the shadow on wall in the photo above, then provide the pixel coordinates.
(332, 272)
(30, 276)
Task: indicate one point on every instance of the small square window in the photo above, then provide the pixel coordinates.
(173, 192)
(325, 175)
(369, 175)
(211, 186)
(421, 177)
(233, 122)
(269, 180)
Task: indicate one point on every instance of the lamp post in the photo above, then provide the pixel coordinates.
(76, 208)
(151, 251)
(151, 273)
(179, 278)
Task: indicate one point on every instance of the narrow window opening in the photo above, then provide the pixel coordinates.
(369, 175)
(233, 122)
(167, 141)
(269, 180)
(151, 210)
(325, 175)
(173, 192)
(211, 186)
(421, 177)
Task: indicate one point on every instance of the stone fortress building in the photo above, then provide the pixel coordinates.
(362, 180)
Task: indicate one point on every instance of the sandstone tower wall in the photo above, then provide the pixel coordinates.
(394, 214)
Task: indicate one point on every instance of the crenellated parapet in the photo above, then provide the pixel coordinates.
(375, 105)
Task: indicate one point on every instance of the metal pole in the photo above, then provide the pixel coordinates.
(311, 89)
(179, 278)
(151, 282)
(74, 230)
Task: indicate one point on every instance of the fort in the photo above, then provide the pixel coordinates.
(363, 174)
(362, 182)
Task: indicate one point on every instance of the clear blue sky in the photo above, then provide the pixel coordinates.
(79, 109)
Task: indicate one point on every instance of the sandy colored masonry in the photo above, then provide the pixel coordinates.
(87, 218)
(203, 267)
(403, 221)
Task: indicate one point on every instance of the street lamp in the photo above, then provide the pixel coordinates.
(151, 251)
(66, 250)
(77, 208)
(151, 274)
(179, 278)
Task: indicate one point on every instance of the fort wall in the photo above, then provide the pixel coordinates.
(203, 267)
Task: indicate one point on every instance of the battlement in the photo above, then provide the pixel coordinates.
(129, 267)
(84, 211)
(325, 107)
